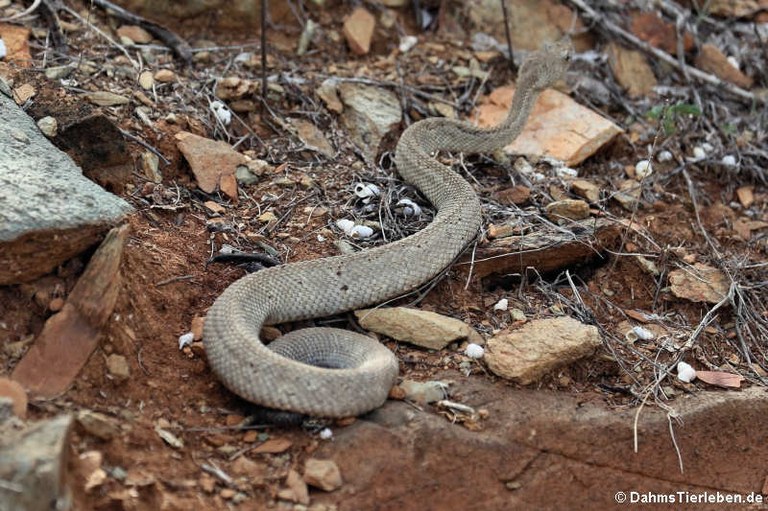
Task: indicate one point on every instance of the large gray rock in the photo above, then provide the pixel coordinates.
(49, 212)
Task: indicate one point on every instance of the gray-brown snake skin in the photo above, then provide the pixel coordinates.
(328, 372)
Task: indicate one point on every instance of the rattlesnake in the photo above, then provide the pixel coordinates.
(329, 372)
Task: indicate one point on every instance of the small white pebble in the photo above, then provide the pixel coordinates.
(186, 339)
(326, 434)
(3, 49)
(320, 238)
(360, 232)
(244, 56)
(410, 208)
(685, 372)
(643, 333)
(366, 190)
(407, 43)
(564, 172)
(732, 61)
(664, 156)
(474, 351)
(345, 225)
(729, 160)
(699, 153)
(501, 305)
(222, 112)
(643, 169)
(523, 166)
(708, 148)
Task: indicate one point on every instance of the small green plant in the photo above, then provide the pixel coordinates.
(668, 114)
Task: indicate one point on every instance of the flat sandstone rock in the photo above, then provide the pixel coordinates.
(558, 126)
(49, 212)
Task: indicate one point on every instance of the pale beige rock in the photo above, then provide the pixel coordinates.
(422, 328)
(146, 80)
(558, 126)
(135, 33)
(213, 162)
(98, 425)
(628, 195)
(165, 76)
(571, 209)
(424, 392)
(296, 489)
(539, 347)
(328, 92)
(369, 114)
(323, 474)
(746, 195)
(312, 137)
(699, 283)
(106, 98)
(586, 189)
(117, 366)
(15, 392)
(631, 70)
(358, 30)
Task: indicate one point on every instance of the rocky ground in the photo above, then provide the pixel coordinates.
(626, 234)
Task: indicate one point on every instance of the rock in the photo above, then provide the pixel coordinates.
(323, 474)
(70, 336)
(118, 368)
(631, 70)
(424, 392)
(422, 328)
(587, 190)
(58, 72)
(33, 465)
(554, 114)
(312, 137)
(369, 114)
(517, 195)
(146, 80)
(699, 283)
(49, 126)
(712, 60)
(534, 439)
(295, 489)
(570, 209)
(544, 21)
(106, 98)
(540, 346)
(32, 216)
(328, 92)
(165, 76)
(16, 394)
(746, 195)
(98, 425)
(254, 471)
(628, 195)
(135, 33)
(250, 173)
(212, 162)
(358, 30)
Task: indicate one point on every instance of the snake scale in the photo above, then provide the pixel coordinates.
(327, 372)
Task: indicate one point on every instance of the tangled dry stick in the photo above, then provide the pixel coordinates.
(335, 373)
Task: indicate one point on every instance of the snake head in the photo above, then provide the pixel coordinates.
(547, 66)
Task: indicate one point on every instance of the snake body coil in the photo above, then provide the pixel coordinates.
(330, 372)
